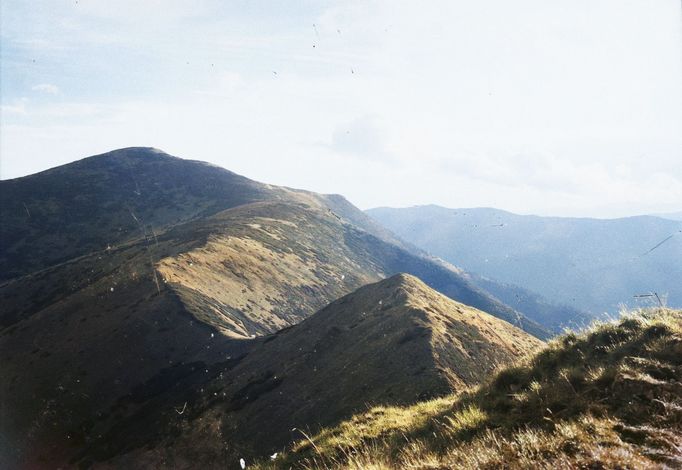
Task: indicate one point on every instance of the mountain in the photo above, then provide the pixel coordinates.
(670, 215)
(589, 264)
(393, 342)
(608, 398)
(75, 209)
(554, 316)
(231, 231)
(134, 263)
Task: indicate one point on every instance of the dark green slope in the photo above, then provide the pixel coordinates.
(104, 200)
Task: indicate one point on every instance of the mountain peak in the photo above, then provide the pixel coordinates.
(403, 302)
(402, 279)
(397, 282)
(134, 152)
(130, 155)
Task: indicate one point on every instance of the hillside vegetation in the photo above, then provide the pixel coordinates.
(395, 342)
(136, 267)
(609, 398)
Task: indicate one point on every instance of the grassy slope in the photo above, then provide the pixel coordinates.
(237, 274)
(126, 251)
(394, 342)
(610, 398)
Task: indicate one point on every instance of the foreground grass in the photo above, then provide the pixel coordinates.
(608, 398)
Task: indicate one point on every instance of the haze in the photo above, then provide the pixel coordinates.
(548, 107)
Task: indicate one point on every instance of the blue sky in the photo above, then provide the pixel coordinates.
(551, 107)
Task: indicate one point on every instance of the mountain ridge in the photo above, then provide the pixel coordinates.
(210, 197)
(606, 398)
(594, 265)
(396, 341)
(184, 263)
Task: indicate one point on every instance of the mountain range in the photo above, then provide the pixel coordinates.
(133, 279)
(670, 215)
(591, 265)
(159, 312)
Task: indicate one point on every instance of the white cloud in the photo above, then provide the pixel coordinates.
(46, 88)
(363, 137)
(18, 107)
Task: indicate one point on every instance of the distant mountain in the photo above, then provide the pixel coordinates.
(393, 342)
(134, 264)
(555, 316)
(588, 264)
(670, 215)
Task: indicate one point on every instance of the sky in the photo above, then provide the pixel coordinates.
(552, 107)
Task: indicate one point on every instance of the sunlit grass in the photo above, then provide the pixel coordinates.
(610, 396)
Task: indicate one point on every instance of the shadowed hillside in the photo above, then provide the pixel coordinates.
(121, 289)
(610, 398)
(106, 200)
(393, 342)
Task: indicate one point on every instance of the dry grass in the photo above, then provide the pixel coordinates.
(264, 267)
(608, 398)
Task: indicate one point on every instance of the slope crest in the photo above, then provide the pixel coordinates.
(392, 342)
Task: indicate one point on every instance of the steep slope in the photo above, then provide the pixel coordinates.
(78, 336)
(118, 196)
(393, 342)
(607, 399)
(589, 264)
(134, 195)
(163, 292)
(102, 201)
